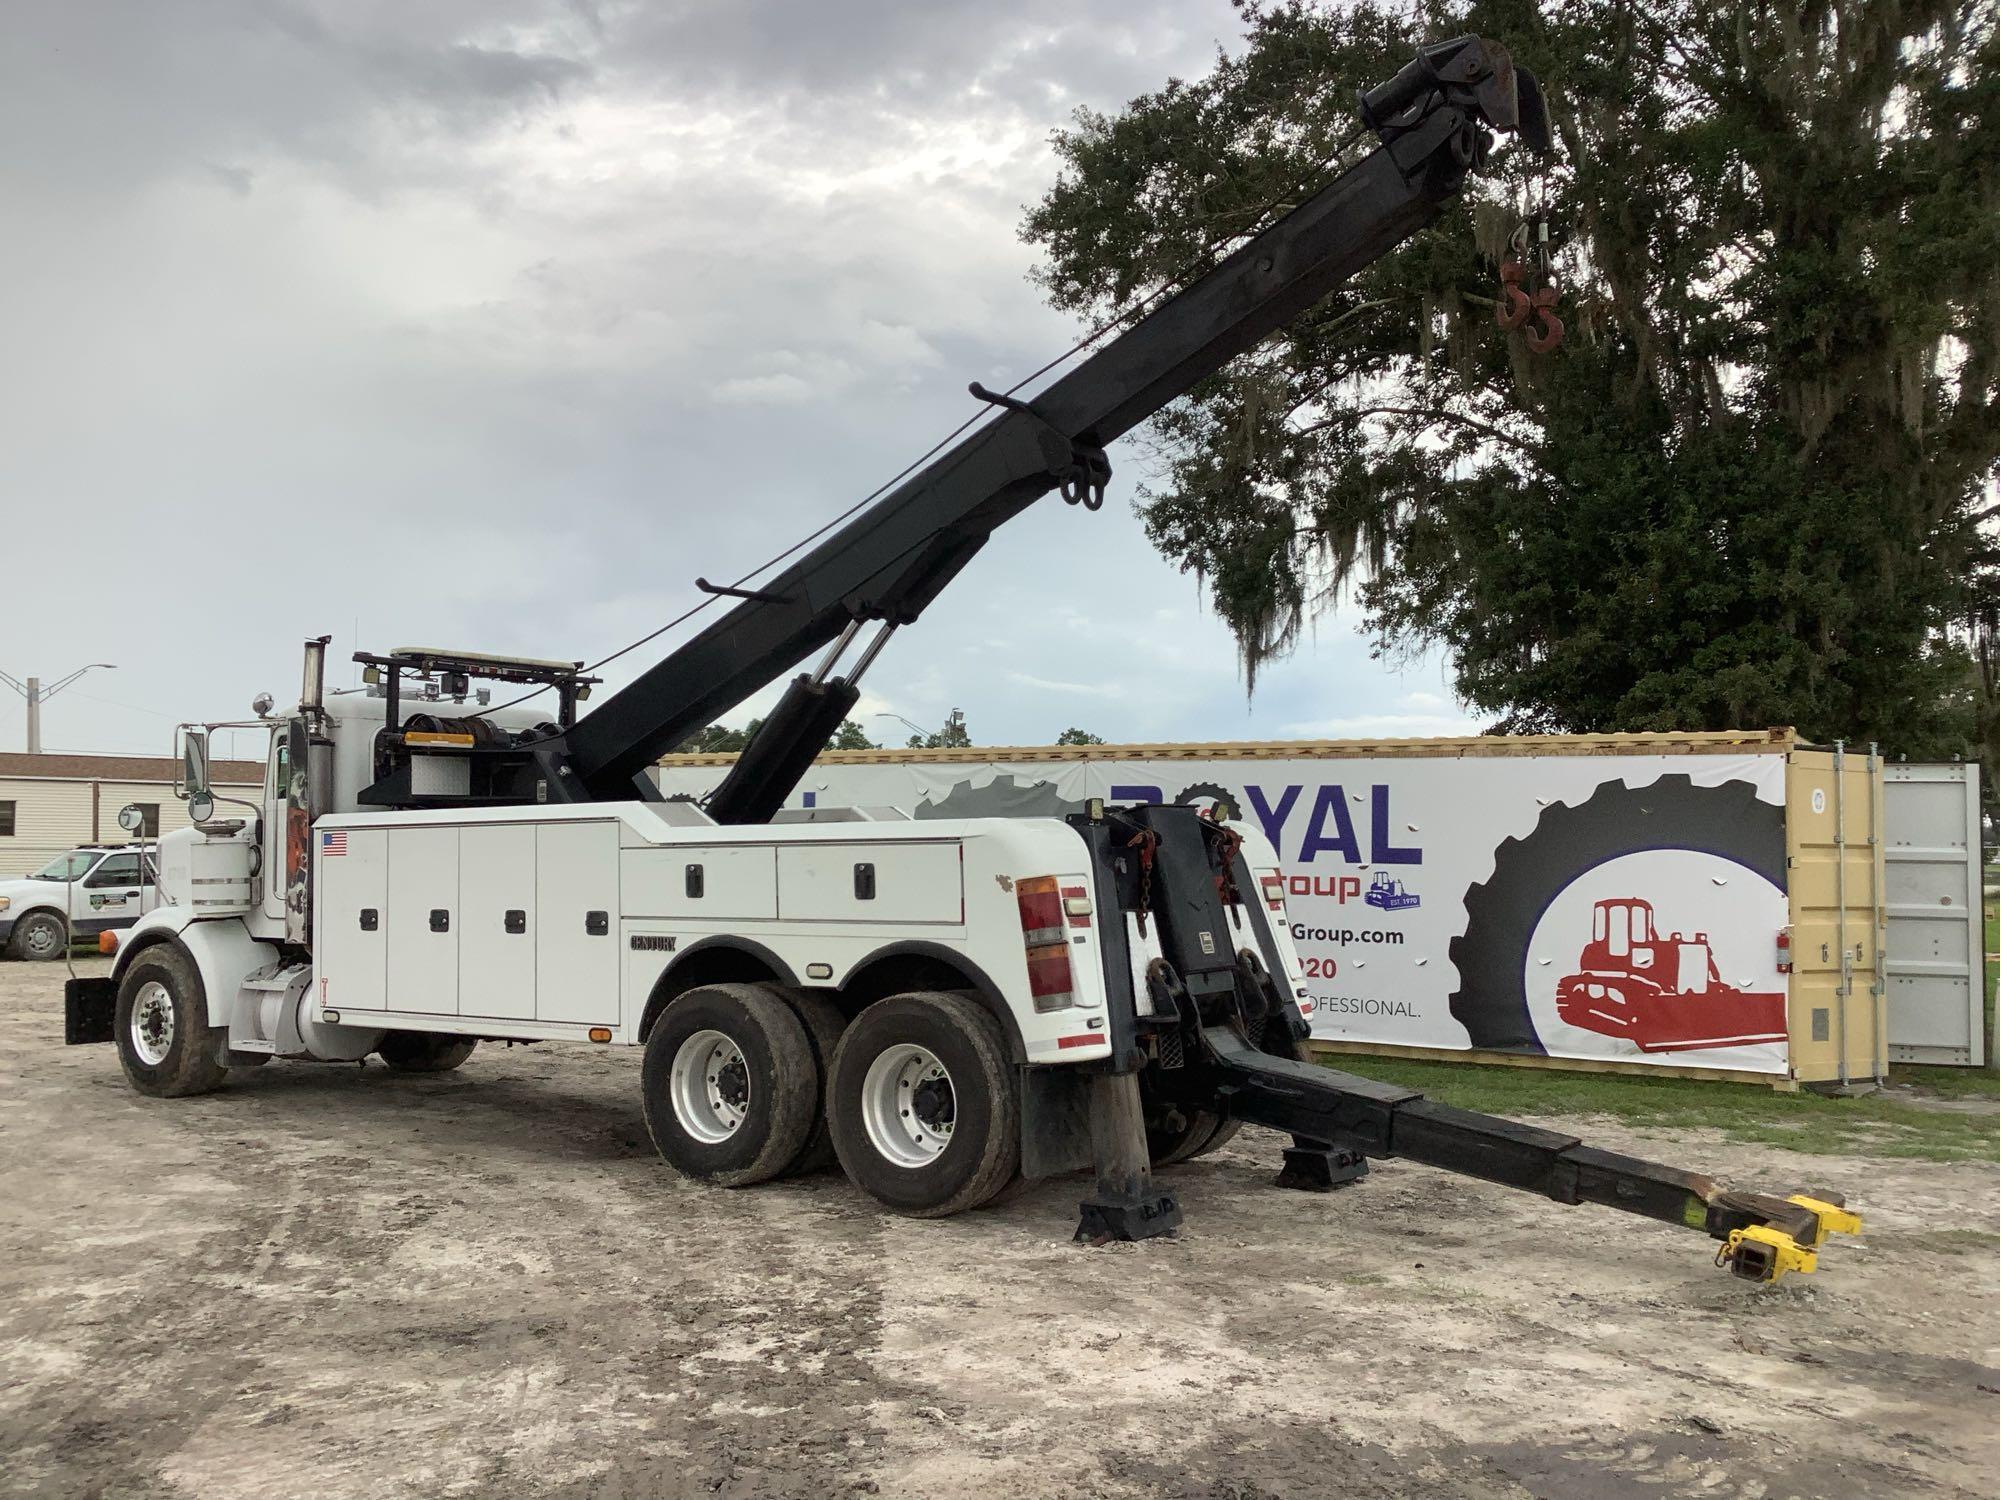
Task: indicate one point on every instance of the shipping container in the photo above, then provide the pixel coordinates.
(1707, 904)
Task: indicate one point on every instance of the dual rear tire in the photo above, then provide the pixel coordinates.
(923, 1104)
(1178, 1133)
(916, 1097)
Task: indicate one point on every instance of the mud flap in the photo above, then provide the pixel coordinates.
(89, 1006)
(1055, 1122)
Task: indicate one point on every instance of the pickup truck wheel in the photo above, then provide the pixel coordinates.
(165, 1043)
(425, 1051)
(39, 936)
(729, 1086)
(925, 1107)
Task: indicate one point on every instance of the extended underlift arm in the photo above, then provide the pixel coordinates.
(1224, 1036)
(1763, 1236)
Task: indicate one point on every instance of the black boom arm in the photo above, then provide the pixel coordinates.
(1433, 120)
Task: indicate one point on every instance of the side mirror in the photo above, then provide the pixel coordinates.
(201, 807)
(194, 764)
(131, 818)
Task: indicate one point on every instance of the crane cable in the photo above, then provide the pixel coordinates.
(1201, 261)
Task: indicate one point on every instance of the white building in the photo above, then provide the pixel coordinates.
(49, 803)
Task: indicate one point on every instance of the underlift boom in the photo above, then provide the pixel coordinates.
(1220, 1035)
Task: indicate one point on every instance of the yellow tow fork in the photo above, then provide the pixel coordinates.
(1767, 1253)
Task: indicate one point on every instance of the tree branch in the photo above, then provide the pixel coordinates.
(1527, 449)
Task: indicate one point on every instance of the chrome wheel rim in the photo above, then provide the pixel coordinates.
(908, 1106)
(709, 1085)
(152, 1023)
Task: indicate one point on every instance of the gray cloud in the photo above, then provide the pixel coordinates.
(495, 324)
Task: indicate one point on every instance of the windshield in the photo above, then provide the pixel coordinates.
(71, 866)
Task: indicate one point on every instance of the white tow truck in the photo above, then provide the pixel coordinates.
(947, 1008)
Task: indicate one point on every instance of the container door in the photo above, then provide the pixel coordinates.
(576, 943)
(349, 920)
(423, 920)
(497, 921)
(1932, 953)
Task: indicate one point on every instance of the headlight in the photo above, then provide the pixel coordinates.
(5, 902)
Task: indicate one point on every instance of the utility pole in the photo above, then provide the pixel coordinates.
(37, 695)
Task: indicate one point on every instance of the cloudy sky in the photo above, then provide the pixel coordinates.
(492, 325)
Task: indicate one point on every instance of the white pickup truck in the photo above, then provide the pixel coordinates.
(93, 888)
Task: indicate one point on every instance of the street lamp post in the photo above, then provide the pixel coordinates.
(901, 720)
(37, 695)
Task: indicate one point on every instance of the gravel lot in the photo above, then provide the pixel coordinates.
(332, 1281)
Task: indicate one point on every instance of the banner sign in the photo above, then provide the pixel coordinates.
(1596, 906)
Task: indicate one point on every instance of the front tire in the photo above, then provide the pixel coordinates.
(729, 1087)
(40, 937)
(425, 1051)
(165, 1043)
(924, 1104)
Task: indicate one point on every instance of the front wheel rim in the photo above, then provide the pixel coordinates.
(908, 1105)
(42, 939)
(152, 1023)
(709, 1086)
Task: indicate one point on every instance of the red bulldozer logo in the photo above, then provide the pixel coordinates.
(1661, 993)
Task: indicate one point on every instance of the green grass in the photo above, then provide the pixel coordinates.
(1871, 1125)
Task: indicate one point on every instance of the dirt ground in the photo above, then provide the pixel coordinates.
(333, 1281)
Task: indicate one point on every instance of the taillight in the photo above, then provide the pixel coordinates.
(1043, 918)
(1273, 884)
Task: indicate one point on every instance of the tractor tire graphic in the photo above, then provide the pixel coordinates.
(1492, 956)
(1220, 797)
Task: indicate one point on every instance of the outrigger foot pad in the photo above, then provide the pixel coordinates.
(1100, 1221)
(1321, 1169)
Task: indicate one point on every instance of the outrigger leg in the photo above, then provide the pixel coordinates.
(1126, 1205)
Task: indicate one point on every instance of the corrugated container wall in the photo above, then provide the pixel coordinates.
(1703, 904)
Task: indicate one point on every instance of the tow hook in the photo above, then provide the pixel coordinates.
(1517, 305)
(1551, 333)
(1514, 307)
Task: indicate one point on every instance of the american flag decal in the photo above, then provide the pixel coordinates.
(333, 843)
